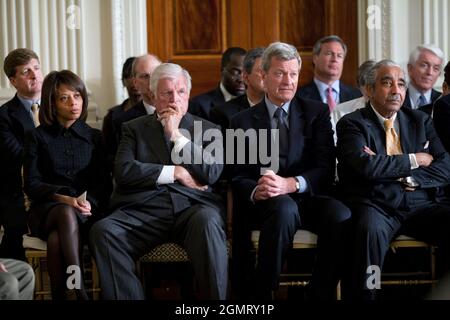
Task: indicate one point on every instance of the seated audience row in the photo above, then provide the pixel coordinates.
(392, 170)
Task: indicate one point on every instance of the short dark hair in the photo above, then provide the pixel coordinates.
(50, 86)
(127, 69)
(250, 58)
(447, 73)
(363, 70)
(333, 38)
(226, 56)
(17, 57)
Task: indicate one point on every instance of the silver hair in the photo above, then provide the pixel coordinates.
(333, 38)
(371, 76)
(138, 59)
(414, 56)
(171, 71)
(279, 50)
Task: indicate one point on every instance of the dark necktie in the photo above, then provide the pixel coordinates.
(280, 118)
(422, 101)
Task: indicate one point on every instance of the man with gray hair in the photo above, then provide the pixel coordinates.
(349, 106)
(142, 69)
(424, 67)
(278, 203)
(392, 168)
(160, 198)
(328, 59)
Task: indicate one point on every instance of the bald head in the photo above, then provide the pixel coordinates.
(143, 68)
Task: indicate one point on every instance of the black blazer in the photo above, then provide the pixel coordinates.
(110, 130)
(407, 103)
(201, 105)
(441, 120)
(346, 93)
(223, 113)
(68, 162)
(373, 179)
(15, 122)
(142, 153)
(311, 146)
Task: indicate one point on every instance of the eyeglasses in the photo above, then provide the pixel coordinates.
(143, 76)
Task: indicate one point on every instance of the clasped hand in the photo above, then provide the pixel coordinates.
(271, 185)
(83, 206)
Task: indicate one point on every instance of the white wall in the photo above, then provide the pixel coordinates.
(105, 34)
(112, 30)
(404, 24)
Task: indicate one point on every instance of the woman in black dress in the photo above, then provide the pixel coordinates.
(64, 158)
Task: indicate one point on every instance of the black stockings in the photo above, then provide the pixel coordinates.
(63, 249)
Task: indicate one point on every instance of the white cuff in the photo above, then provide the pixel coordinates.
(167, 175)
(413, 161)
(179, 143)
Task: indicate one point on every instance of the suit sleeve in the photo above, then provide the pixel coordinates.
(244, 175)
(205, 162)
(34, 185)
(321, 171)
(441, 120)
(438, 173)
(128, 171)
(11, 148)
(100, 184)
(352, 138)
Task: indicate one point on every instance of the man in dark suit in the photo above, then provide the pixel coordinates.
(328, 60)
(424, 68)
(231, 84)
(23, 70)
(441, 111)
(109, 129)
(159, 198)
(143, 67)
(392, 167)
(254, 91)
(278, 202)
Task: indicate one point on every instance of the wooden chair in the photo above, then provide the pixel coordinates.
(304, 239)
(171, 252)
(36, 255)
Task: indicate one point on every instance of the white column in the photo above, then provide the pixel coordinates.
(129, 37)
(374, 32)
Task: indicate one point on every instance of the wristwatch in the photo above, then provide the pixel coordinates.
(297, 185)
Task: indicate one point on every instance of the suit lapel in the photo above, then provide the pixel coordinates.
(157, 141)
(296, 132)
(19, 112)
(374, 127)
(407, 133)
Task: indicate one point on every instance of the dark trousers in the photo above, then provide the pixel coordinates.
(119, 240)
(13, 218)
(374, 229)
(279, 218)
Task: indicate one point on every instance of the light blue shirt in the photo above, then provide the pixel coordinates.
(414, 96)
(28, 103)
(323, 87)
